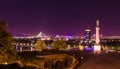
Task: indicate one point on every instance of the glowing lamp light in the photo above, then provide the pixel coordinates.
(31, 44)
(21, 44)
(5, 63)
(97, 48)
(81, 47)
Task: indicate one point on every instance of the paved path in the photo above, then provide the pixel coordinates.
(101, 61)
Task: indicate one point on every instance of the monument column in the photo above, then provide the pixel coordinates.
(97, 32)
(97, 47)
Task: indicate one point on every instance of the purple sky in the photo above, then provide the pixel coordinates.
(60, 16)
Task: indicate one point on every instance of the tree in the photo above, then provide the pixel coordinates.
(59, 44)
(7, 51)
(40, 44)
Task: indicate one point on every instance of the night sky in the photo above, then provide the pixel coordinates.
(60, 16)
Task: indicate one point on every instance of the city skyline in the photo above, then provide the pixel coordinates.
(60, 17)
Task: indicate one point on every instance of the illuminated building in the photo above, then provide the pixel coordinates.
(87, 36)
(110, 43)
(24, 42)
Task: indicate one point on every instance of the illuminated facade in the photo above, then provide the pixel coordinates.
(24, 42)
(87, 36)
(110, 43)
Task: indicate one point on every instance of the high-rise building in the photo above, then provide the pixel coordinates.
(87, 36)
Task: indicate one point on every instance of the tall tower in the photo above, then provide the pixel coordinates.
(88, 33)
(87, 36)
(97, 47)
